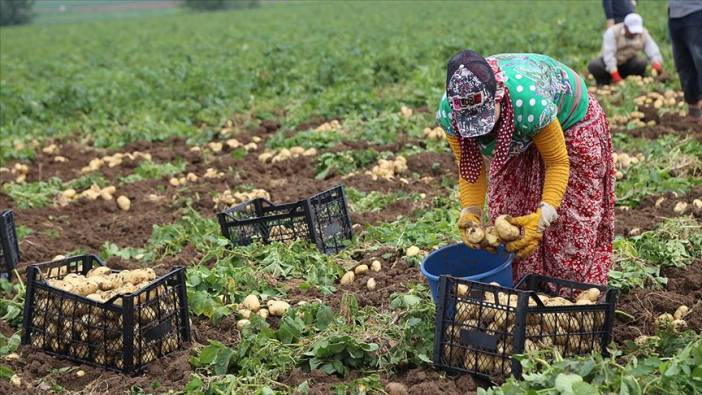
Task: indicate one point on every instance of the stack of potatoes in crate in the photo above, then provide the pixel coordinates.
(565, 332)
(94, 332)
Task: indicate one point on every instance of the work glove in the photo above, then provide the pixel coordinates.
(616, 77)
(659, 73)
(533, 227)
(470, 217)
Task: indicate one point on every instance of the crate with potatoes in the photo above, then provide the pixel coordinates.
(479, 326)
(82, 310)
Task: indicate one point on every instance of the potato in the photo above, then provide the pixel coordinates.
(62, 285)
(664, 321)
(106, 283)
(505, 230)
(466, 311)
(252, 303)
(277, 307)
(376, 265)
(242, 323)
(592, 294)
(462, 290)
(370, 284)
(245, 313)
(412, 251)
(361, 269)
(396, 389)
(99, 271)
(263, 313)
(681, 312)
(679, 325)
(491, 237)
(475, 234)
(124, 203)
(347, 278)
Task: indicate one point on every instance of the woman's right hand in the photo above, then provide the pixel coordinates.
(469, 218)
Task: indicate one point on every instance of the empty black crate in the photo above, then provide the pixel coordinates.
(124, 333)
(323, 219)
(480, 326)
(9, 248)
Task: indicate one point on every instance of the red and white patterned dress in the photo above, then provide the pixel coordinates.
(578, 246)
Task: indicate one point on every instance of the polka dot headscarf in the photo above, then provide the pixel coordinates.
(471, 159)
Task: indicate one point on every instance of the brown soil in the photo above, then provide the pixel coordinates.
(419, 381)
(669, 123)
(684, 288)
(87, 225)
(647, 215)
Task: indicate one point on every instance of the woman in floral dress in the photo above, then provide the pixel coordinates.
(524, 131)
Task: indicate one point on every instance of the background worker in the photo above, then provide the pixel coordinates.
(550, 160)
(685, 25)
(621, 45)
(616, 10)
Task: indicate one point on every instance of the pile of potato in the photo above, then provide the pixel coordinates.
(113, 160)
(569, 332)
(434, 134)
(227, 198)
(388, 169)
(350, 276)
(491, 237)
(252, 305)
(94, 333)
(330, 126)
(286, 154)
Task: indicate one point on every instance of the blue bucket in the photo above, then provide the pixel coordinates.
(457, 260)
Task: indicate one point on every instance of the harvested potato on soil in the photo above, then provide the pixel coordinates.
(370, 284)
(376, 266)
(681, 312)
(361, 269)
(347, 278)
(277, 307)
(242, 323)
(124, 203)
(412, 251)
(252, 303)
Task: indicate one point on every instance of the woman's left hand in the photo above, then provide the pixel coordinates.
(531, 235)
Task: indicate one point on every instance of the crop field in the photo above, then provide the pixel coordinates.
(124, 138)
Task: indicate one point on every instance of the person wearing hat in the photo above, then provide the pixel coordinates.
(620, 48)
(525, 131)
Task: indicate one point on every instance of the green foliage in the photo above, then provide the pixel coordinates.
(338, 354)
(639, 259)
(11, 302)
(33, 194)
(675, 370)
(429, 229)
(671, 164)
(344, 162)
(84, 182)
(362, 202)
(148, 170)
(15, 12)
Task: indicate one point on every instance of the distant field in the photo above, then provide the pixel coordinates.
(68, 11)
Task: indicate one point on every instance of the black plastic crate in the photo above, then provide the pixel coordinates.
(480, 326)
(124, 333)
(323, 219)
(9, 248)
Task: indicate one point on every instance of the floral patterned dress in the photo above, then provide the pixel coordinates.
(577, 246)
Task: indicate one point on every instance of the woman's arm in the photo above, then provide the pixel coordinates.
(550, 142)
(471, 194)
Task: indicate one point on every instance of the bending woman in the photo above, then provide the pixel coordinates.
(524, 131)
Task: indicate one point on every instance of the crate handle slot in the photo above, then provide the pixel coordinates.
(478, 339)
(158, 331)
